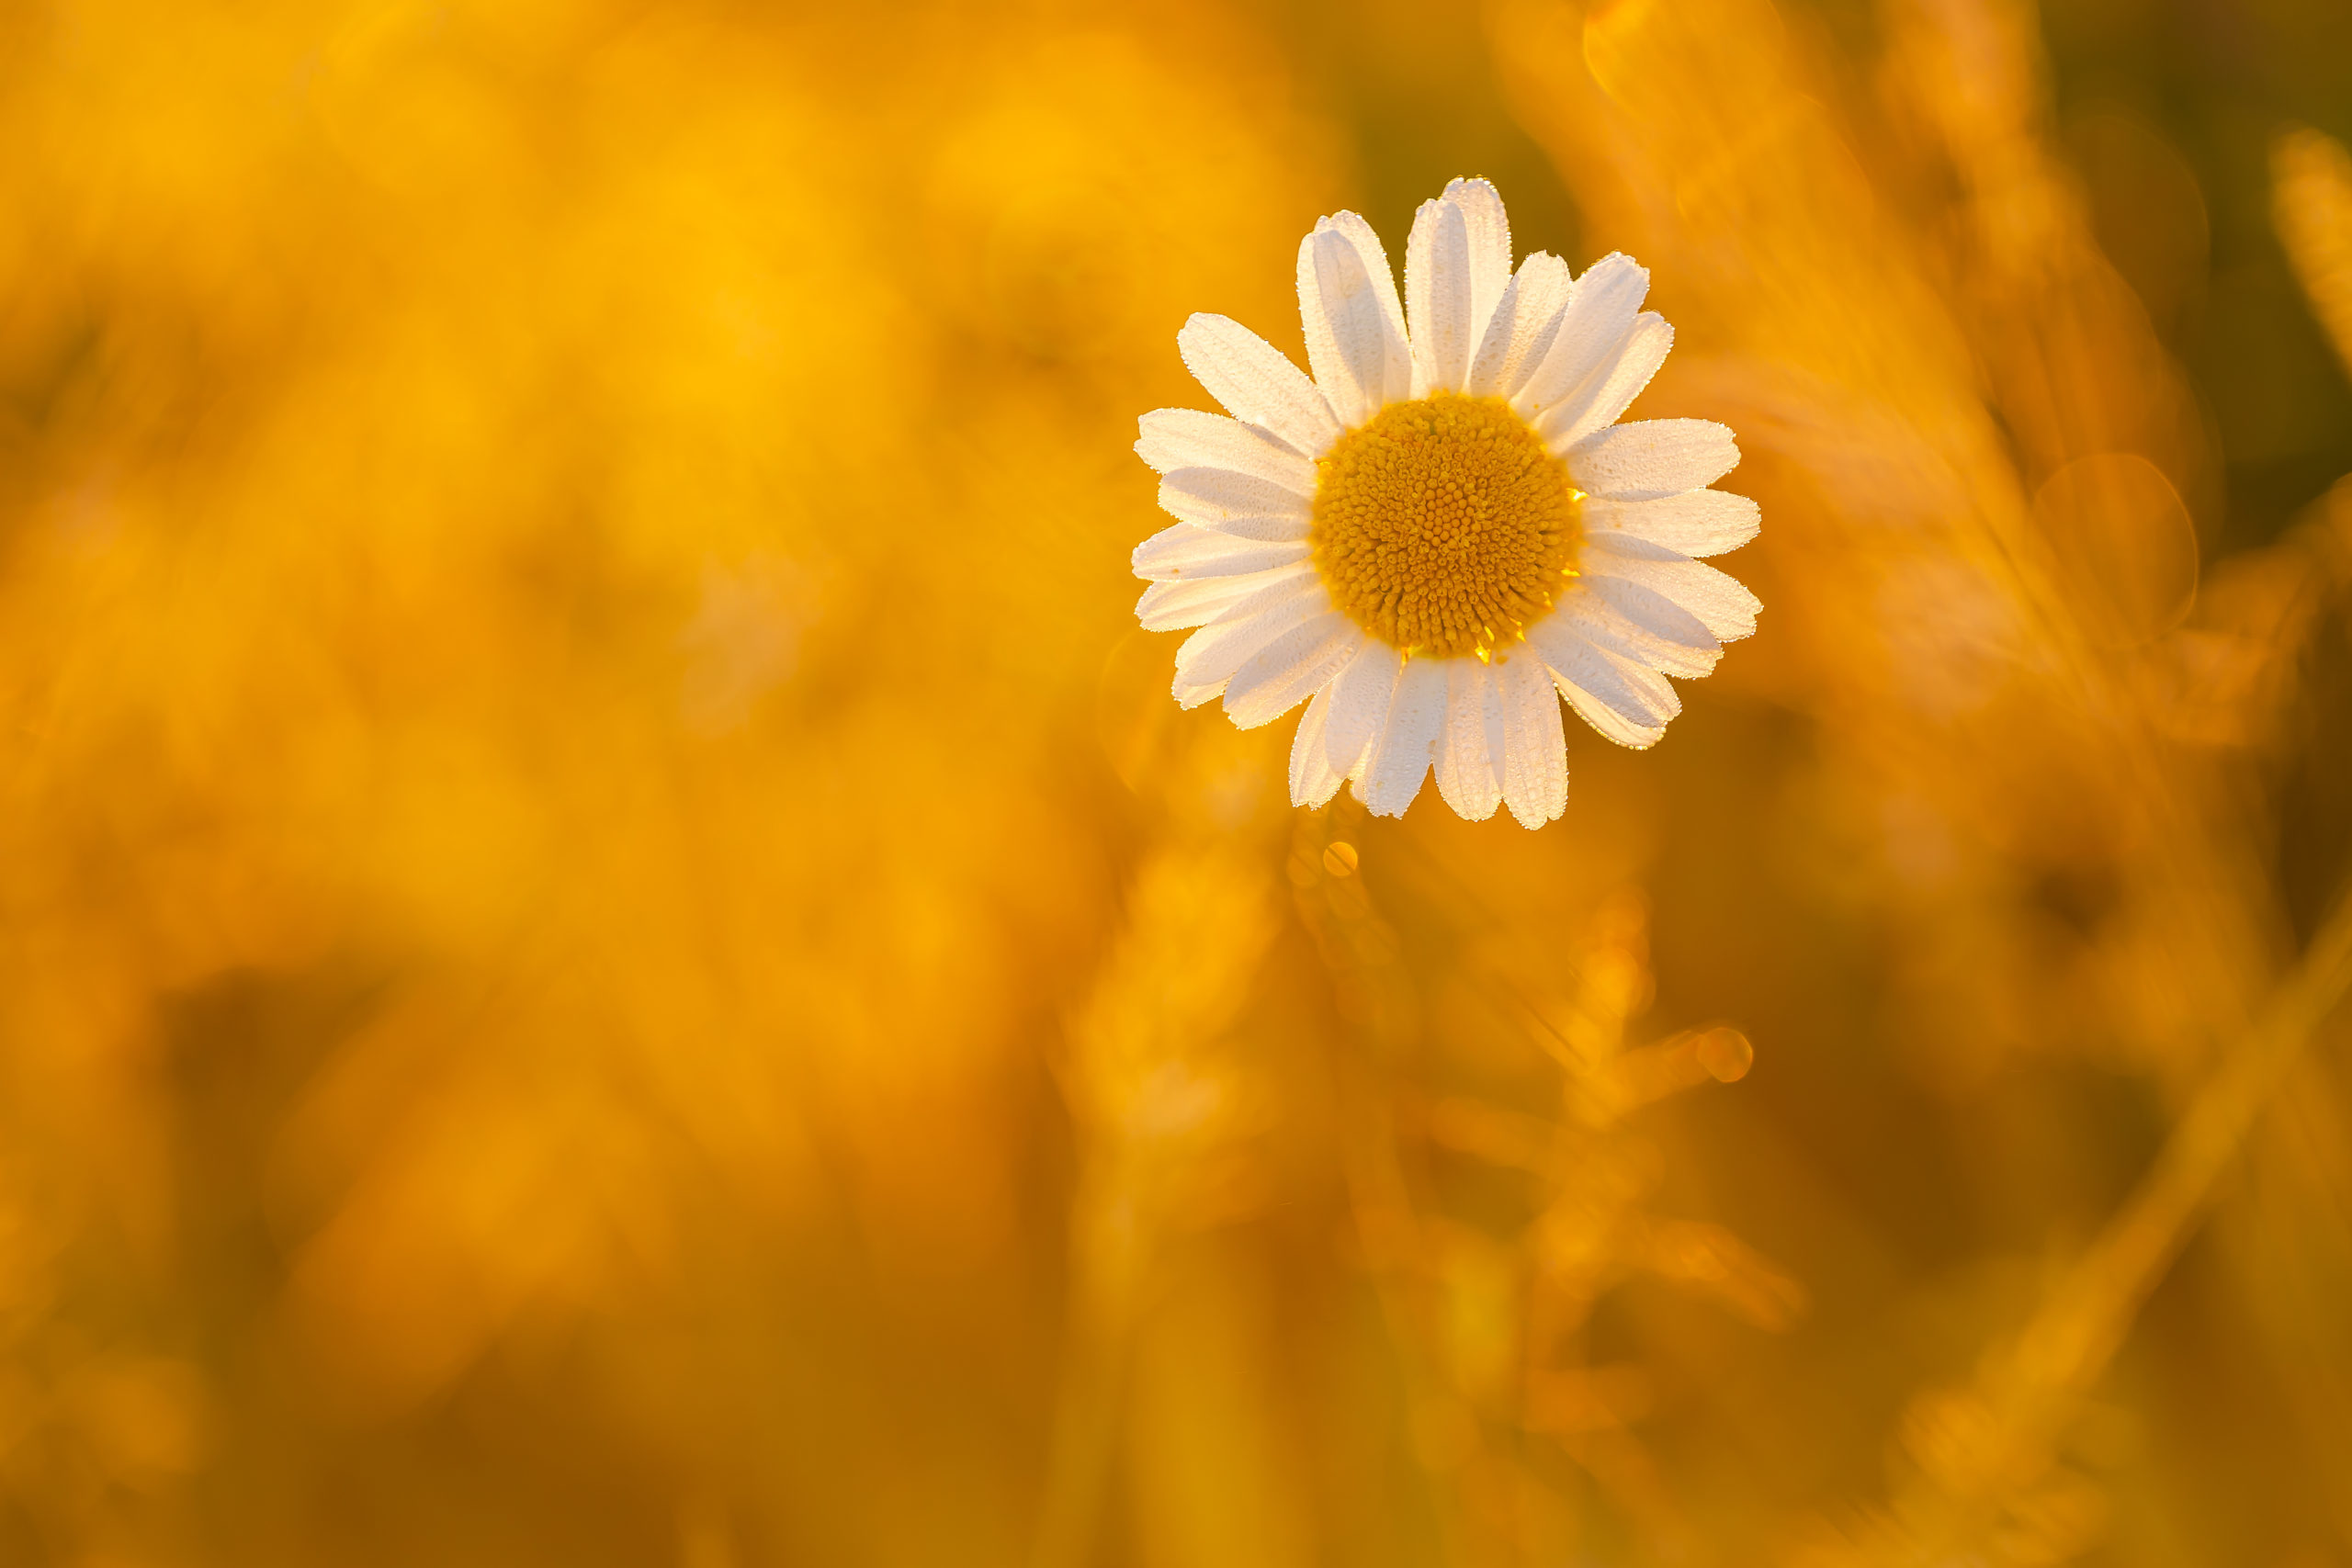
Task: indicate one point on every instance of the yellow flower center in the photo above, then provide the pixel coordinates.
(1443, 527)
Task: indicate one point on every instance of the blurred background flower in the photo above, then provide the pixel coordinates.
(612, 952)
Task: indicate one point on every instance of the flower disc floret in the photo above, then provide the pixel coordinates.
(1444, 526)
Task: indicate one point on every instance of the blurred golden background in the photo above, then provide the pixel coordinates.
(612, 952)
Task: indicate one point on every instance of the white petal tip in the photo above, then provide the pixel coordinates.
(1191, 697)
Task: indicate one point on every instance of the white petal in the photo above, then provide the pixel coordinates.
(1625, 546)
(1384, 277)
(1719, 599)
(1359, 701)
(1256, 384)
(1290, 668)
(1534, 752)
(1354, 325)
(1210, 656)
(1697, 523)
(1392, 307)
(1626, 702)
(1599, 313)
(1642, 624)
(1490, 229)
(1606, 392)
(1519, 334)
(1192, 438)
(1408, 741)
(1197, 601)
(1239, 505)
(1313, 780)
(1280, 587)
(1438, 305)
(1183, 552)
(1467, 774)
(1652, 459)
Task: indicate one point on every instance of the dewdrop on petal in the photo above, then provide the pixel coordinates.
(1445, 530)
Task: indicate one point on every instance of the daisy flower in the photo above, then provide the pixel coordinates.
(1445, 530)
